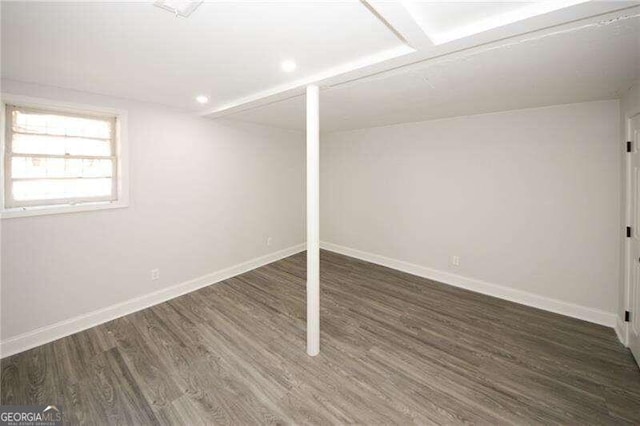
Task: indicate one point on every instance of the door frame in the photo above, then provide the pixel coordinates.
(622, 327)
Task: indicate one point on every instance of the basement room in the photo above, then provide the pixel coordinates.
(320, 212)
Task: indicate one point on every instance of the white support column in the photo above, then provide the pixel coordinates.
(313, 220)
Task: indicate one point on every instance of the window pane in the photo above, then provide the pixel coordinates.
(44, 189)
(59, 145)
(60, 125)
(37, 167)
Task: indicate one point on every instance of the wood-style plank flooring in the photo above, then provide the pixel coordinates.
(395, 349)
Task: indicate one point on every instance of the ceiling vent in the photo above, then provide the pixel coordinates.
(182, 8)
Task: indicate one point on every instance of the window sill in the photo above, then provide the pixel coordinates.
(49, 210)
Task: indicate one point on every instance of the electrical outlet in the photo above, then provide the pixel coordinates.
(155, 274)
(455, 260)
(269, 240)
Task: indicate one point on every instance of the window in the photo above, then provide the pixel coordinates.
(58, 160)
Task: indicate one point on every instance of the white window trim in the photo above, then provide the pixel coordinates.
(122, 153)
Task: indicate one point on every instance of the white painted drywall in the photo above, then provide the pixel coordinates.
(204, 196)
(527, 199)
(169, 61)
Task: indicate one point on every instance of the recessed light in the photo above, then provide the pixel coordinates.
(288, 65)
(202, 99)
(182, 8)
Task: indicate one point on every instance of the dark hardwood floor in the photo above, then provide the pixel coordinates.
(395, 349)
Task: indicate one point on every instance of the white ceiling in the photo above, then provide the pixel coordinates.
(446, 21)
(378, 61)
(587, 62)
(227, 50)
(439, 17)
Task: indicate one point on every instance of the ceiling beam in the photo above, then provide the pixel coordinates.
(399, 21)
(420, 51)
(297, 87)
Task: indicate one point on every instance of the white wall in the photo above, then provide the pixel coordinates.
(528, 199)
(204, 197)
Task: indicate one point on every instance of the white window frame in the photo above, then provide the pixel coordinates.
(121, 153)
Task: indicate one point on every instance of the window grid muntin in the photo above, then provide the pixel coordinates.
(10, 201)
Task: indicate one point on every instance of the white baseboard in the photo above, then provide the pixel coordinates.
(530, 299)
(621, 331)
(76, 324)
(73, 325)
